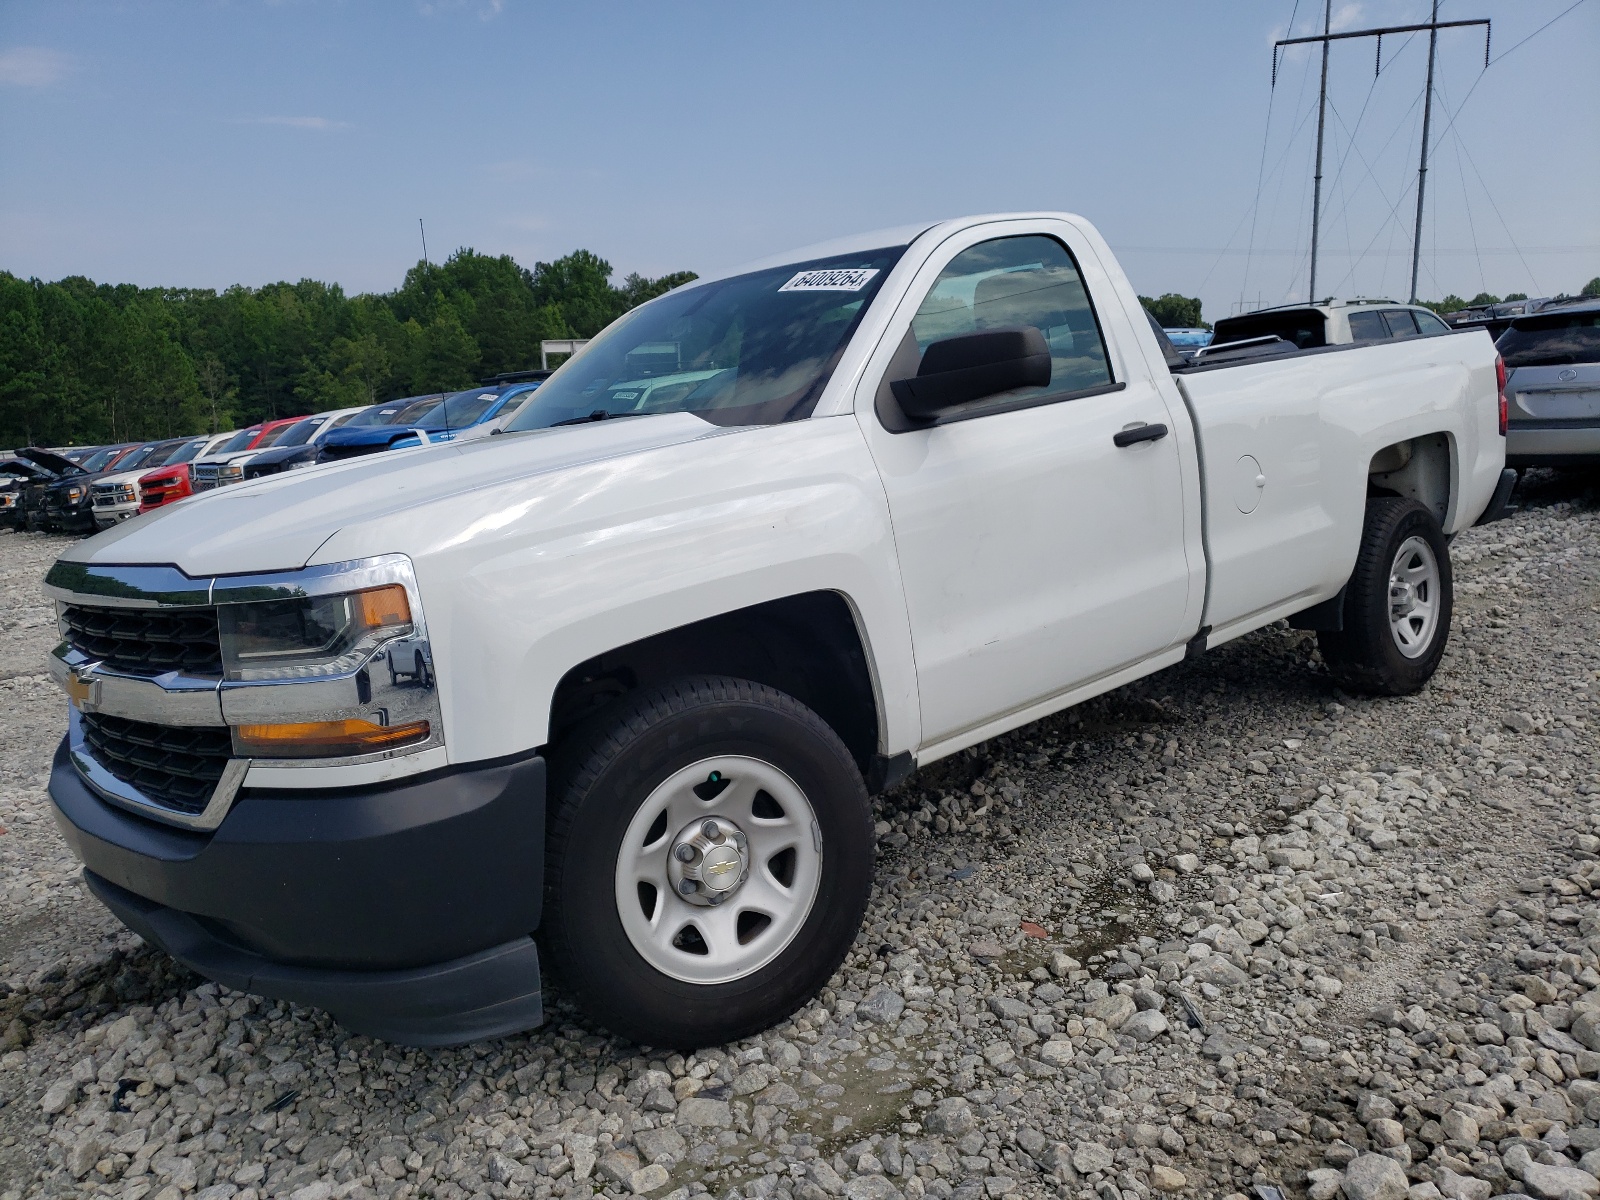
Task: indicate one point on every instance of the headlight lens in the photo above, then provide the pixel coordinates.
(310, 637)
(74, 494)
(230, 472)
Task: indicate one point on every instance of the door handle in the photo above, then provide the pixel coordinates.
(1142, 433)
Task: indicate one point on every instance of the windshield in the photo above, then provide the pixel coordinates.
(392, 412)
(460, 410)
(299, 433)
(1552, 340)
(99, 459)
(188, 451)
(137, 458)
(238, 441)
(755, 349)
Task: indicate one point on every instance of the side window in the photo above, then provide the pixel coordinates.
(1401, 324)
(1429, 324)
(1020, 281)
(1368, 326)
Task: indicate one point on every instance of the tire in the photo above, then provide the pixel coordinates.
(635, 792)
(1381, 650)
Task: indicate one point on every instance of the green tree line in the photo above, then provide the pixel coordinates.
(83, 363)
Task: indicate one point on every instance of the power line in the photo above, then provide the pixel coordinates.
(1532, 35)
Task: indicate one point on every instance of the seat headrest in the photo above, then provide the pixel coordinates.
(1044, 297)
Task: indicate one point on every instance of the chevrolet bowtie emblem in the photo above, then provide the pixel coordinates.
(79, 690)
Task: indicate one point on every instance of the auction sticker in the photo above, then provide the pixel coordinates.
(843, 279)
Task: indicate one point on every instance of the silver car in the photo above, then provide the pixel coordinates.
(1553, 389)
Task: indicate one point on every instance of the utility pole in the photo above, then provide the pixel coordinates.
(1322, 113)
(1326, 38)
(1422, 167)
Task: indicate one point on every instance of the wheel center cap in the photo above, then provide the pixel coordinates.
(709, 859)
(719, 870)
(1402, 599)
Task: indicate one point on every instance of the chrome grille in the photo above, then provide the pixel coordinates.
(204, 477)
(146, 641)
(177, 768)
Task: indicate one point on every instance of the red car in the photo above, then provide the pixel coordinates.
(164, 485)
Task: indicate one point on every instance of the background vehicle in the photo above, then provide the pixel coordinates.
(1188, 340)
(441, 421)
(1553, 389)
(115, 497)
(626, 674)
(225, 464)
(298, 445)
(1331, 323)
(14, 474)
(28, 510)
(67, 505)
(175, 480)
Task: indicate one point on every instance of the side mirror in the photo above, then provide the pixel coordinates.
(962, 369)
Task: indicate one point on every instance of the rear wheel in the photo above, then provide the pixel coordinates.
(710, 857)
(1398, 603)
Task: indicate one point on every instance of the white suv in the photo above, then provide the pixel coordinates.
(1329, 323)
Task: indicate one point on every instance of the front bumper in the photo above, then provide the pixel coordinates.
(404, 909)
(70, 518)
(107, 515)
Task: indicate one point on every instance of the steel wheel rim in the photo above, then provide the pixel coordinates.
(1414, 595)
(762, 914)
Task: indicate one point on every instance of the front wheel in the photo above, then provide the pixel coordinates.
(1398, 603)
(710, 858)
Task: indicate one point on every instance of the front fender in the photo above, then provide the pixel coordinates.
(523, 583)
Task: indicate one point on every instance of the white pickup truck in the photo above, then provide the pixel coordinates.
(625, 675)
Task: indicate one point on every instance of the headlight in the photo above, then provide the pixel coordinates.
(126, 493)
(74, 494)
(230, 472)
(310, 637)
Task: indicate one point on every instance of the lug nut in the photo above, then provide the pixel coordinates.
(712, 830)
(684, 852)
(688, 887)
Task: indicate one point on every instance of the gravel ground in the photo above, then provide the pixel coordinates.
(1221, 931)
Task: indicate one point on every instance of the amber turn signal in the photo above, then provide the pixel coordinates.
(324, 739)
(384, 606)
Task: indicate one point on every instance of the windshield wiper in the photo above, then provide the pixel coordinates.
(598, 414)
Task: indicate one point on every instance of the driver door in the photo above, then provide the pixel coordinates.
(1037, 555)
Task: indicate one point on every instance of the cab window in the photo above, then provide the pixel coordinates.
(1400, 322)
(1016, 281)
(1368, 326)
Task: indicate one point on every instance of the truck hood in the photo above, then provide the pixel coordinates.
(277, 523)
(126, 476)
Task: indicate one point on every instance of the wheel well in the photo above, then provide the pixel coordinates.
(806, 646)
(1418, 468)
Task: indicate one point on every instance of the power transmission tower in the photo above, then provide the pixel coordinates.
(1325, 38)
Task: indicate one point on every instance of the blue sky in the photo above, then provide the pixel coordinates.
(202, 144)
